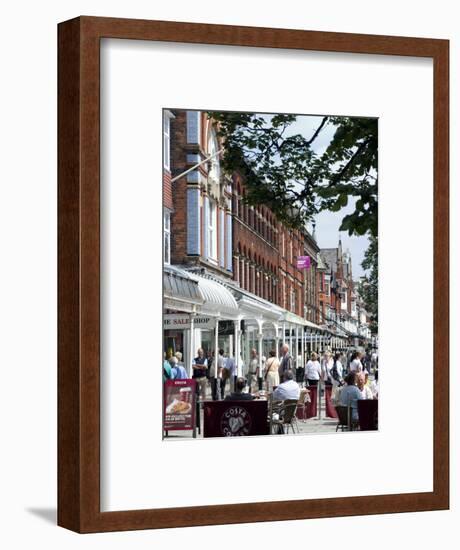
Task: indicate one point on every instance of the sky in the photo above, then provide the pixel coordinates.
(328, 223)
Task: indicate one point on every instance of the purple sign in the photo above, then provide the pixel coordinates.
(303, 262)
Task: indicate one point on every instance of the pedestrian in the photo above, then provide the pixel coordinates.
(179, 369)
(167, 374)
(174, 370)
(222, 372)
(337, 370)
(375, 385)
(213, 375)
(355, 365)
(200, 368)
(272, 377)
(337, 377)
(230, 366)
(374, 360)
(286, 362)
(326, 367)
(313, 370)
(253, 369)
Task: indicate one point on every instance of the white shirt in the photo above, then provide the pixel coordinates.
(253, 365)
(287, 390)
(230, 365)
(375, 389)
(327, 367)
(356, 365)
(366, 393)
(313, 370)
(338, 364)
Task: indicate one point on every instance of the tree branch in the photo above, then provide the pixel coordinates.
(320, 127)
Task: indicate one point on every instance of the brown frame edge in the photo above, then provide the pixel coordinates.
(78, 274)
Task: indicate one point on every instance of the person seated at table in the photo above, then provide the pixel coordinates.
(350, 395)
(289, 389)
(238, 394)
(366, 392)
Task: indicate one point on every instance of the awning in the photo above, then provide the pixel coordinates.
(217, 300)
(186, 291)
(297, 320)
(180, 291)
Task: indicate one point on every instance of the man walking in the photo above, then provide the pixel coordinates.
(253, 371)
(222, 373)
(200, 367)
(286, 362)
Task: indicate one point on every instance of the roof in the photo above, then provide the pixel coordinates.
(329, 255)
(320, 262)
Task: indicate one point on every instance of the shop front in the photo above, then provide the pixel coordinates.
(197, 313)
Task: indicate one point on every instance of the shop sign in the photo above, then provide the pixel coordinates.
(303, 262)
(235, 418)
(181, 321)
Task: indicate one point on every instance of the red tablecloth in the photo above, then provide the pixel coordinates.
(368, 413)
(311, 408)
(330, 409)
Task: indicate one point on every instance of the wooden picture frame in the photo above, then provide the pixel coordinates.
(79, 276)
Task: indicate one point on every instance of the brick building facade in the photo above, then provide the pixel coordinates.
(201, 215)
(214, 229)
(339, 296)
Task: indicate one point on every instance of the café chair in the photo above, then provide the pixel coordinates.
(344, 418)
(286, 416)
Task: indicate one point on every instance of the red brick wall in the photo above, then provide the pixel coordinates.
(257, 238)
(179, 188)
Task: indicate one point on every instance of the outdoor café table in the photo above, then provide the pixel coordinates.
(235, 418)
(368, 414)
(311, 408)
(330, 409)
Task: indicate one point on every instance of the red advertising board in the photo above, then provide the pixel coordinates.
(179, 404)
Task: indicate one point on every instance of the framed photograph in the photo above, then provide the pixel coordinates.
(253, 274)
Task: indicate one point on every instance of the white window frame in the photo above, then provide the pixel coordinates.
(212, 230)
(292, 300)
(167, 236)
(166, 141)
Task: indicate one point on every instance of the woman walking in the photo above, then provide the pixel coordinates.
(272, 377)
(313, 371)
